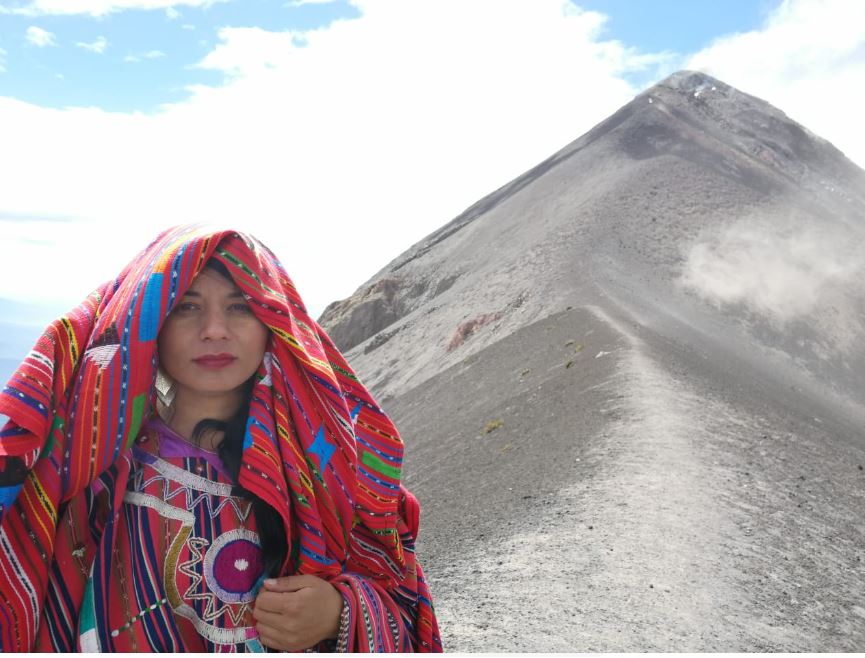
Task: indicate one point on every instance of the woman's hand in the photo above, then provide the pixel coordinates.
(297, 612)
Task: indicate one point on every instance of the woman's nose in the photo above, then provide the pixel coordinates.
(215, 325)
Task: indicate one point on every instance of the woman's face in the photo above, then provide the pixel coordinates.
(211, 343)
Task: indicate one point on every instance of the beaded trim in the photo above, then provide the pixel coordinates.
(151, 607)
(342, 635)
(184, 477)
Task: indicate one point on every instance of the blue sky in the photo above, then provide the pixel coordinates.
(343, 132)
(138, 60)
(680, 25)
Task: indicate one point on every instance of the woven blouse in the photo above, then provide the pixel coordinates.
(187, 563)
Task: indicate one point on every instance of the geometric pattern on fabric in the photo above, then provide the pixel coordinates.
(178, 581)
(79, 399)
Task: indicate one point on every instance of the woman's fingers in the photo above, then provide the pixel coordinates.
(290, 583)
(279, 639)
(278, 602)
(305, 613)
(265, 617)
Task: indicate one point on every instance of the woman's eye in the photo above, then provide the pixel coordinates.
(186, 306)
(241, 308)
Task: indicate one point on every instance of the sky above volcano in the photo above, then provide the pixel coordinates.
(138, 56)
(340, 133)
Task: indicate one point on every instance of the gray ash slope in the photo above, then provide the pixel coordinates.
(631, 384)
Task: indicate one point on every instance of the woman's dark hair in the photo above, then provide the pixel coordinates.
(271, 531)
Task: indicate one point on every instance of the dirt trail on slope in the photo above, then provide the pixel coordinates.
(687, 535)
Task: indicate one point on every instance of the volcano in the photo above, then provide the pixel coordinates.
(631, 383)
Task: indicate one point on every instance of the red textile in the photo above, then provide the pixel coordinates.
(318, 447)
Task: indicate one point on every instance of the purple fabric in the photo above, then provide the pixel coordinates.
(171, 444)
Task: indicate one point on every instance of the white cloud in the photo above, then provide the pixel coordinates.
(339, 153)
(808, 60)
(300, 3)
(40, 38)
(101, 7)
(34, 240)
(97, 46)
(245, 50)
(150, 54)
(172, 14)
(339, 147)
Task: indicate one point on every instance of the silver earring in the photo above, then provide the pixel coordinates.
(164, 388)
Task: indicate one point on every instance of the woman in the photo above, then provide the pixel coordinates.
(191, 465)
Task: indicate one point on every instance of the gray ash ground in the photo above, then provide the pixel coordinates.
(680, 514)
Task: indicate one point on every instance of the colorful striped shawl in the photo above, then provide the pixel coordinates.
(318, 448)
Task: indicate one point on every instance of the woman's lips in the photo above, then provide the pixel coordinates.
(215, 361)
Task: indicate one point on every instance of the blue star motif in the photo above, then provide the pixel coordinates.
(356, 411)
(322, 448)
